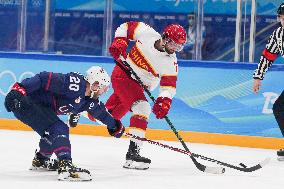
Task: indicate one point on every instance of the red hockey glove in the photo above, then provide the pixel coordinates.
(118, 131)
(118, 47)
(162, 107)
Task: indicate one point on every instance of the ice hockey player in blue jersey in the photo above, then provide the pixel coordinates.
(37, 102)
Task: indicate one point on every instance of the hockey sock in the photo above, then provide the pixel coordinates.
(59, 135)
(45, 147)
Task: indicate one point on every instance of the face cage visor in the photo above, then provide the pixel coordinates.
(174, 46)
(99, 89)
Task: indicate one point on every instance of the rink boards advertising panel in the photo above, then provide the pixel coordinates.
(212, 97)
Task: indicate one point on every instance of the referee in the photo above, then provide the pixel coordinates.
(274, 47)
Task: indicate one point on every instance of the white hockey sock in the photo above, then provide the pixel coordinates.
(139, 133)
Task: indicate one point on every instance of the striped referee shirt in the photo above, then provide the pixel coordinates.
(274, 46)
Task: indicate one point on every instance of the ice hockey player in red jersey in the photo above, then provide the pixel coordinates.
(153, 59)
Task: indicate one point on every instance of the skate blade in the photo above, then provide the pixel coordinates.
(136, 165)
(280, 158)
(41, 169)
(74, 177)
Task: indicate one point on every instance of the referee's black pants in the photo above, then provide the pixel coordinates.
(278, 111)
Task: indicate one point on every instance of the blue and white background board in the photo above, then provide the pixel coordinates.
(264, 7)
(179, 6)
(211, 97)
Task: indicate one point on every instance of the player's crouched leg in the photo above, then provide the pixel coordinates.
(67, 171)
(39, 118)
(42, 159)
(41, 162)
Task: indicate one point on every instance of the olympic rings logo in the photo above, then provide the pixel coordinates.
(12, 75)
(37, 3)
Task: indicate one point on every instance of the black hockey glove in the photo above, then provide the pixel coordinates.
(15, 97)
(117, 131)
(73, 119)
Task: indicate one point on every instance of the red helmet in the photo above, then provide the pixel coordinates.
(176, 33)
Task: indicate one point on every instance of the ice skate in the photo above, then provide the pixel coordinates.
(68, 172)
(134, 160)
(43, 163)
(280, 154)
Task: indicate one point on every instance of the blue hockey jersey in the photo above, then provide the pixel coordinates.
(65, 93)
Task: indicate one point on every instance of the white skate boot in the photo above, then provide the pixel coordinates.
(68, 172)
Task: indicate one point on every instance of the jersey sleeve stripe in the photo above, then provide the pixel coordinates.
(168, 87)
(48, 81)
(262, 68)
(272, 44)
(269, 54)
(168, 81)
(132, 26)
(54, 104)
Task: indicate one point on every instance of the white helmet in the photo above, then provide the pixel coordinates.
(99, 75)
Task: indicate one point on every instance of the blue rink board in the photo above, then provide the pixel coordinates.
(212, 97)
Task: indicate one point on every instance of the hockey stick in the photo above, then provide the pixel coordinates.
(201, 167)
(243, 168)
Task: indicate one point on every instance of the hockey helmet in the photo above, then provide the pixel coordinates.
(98, 75)
(280, 10)
(175, 35)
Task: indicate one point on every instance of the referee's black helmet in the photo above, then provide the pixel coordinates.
(280, 10)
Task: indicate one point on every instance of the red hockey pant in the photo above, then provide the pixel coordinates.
(126, 92)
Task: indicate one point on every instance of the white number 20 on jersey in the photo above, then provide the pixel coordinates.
(74, 86)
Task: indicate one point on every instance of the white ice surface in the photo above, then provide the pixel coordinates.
(104, 157)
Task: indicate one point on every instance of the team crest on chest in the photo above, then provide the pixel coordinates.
(78, 100)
